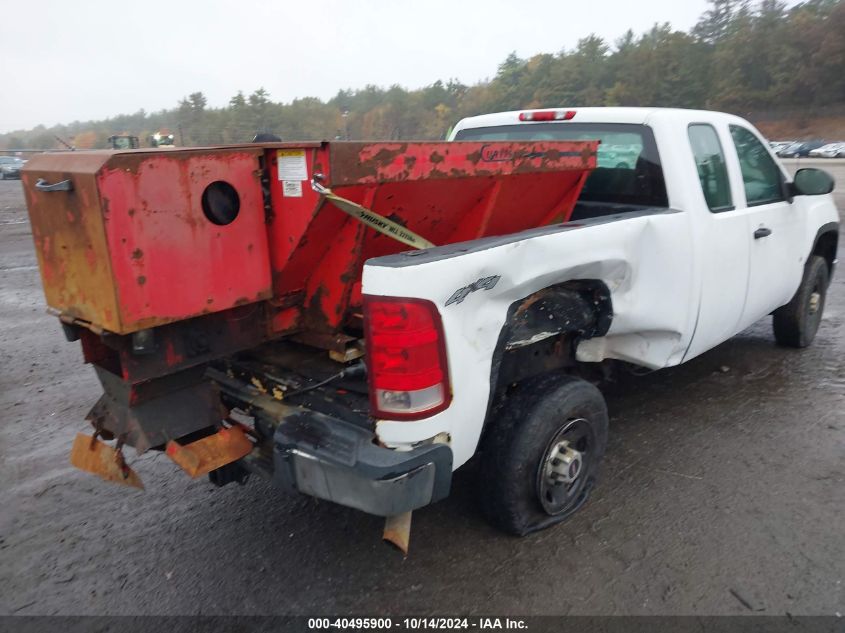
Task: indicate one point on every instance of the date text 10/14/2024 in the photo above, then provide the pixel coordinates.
(417, 623)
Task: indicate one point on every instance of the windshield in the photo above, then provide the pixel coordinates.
(628, 167)
(9, 159)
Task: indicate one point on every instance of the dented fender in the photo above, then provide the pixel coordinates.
(653, 304)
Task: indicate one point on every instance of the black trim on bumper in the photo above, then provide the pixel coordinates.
(331, 459)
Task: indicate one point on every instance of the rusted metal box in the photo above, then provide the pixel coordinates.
(129, 245)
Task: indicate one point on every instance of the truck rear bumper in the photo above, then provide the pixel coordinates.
(328, 458)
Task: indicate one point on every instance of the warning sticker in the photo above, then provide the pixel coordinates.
(292, 188)
(292, 164)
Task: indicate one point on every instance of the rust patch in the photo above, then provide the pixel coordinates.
(142, 280)
(394, 217)
(385, 155)
(313, 317)
(137, 254)
(209, 453)
(531, 300)
(91, 257)
(93, 456)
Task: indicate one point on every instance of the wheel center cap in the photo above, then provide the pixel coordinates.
(563, 465)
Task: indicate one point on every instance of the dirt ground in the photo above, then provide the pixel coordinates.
(830, 128)
(723, 492)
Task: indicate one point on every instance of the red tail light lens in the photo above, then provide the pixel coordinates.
(547, 115)
(406, 358)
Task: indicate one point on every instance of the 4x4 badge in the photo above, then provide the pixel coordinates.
(485, 283)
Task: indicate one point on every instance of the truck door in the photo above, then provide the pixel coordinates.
(721, 236)
(775, 259)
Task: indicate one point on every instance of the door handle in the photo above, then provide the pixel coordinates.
(762, 232)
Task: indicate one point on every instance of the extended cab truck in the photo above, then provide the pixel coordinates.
(704, 235)
(552, 261)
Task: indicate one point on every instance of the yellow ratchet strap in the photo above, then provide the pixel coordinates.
(372, 219)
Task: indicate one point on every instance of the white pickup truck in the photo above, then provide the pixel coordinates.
(699, 237)
(240, 320)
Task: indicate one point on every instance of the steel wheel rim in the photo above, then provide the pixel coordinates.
(556, 497)
(815, 305)
(815, 301)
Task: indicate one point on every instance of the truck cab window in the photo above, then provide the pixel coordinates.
(628, 175)
(760, 175)
(712, 171)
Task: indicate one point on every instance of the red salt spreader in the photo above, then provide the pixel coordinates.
(213, 288)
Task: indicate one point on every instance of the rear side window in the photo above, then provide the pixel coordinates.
(760, 175)
(628, 167)
(712, 171)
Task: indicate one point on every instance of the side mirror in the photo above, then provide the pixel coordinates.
(811, 182)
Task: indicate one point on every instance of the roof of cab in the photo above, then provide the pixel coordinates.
(639, 116)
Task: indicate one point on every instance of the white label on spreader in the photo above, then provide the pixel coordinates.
(292, 188)
(292, 164)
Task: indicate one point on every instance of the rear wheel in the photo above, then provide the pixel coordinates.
(541, 454)
(796, 323)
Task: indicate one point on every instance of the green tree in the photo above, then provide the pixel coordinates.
(715, 23)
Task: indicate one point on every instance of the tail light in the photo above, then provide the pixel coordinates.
(547, 115)
(406, 358)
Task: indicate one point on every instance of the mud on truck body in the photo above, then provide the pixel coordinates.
(257, 310)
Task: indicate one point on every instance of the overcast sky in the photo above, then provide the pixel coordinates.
(66, 60)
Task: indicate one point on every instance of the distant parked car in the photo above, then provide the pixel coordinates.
(618, 156)
(10, 167)
(777, 146)
(831, 150)
(800, 149)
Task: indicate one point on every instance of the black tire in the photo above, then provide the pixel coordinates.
(796, 323)
(541, 414)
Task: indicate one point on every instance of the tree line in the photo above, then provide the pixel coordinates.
(739, 57)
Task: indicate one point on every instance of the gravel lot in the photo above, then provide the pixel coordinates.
(723, 492)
